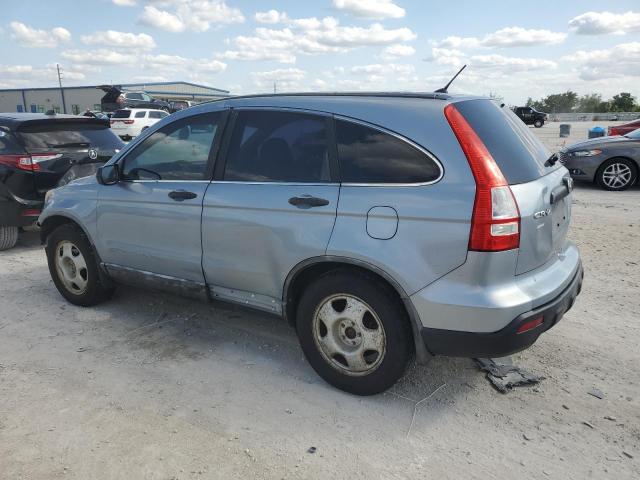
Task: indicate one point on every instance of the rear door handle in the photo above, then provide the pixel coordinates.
(180, 195)
(307, 201)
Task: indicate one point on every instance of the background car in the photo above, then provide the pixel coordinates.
(611, 162)
(39, 152)
(115, 99)
(129, 123)
(624, 128)
(530, 116)
(178, 105)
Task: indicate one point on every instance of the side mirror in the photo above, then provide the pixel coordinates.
(108, 174)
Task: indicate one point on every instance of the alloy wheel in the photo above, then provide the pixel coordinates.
(616, 175)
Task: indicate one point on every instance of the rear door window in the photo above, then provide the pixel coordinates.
(277, 146)
(516, 150)
(140, 114)
(368, 155)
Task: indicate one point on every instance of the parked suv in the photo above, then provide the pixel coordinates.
(129, 123)
(379, 225)
(39, 152)
(530, 116)
(115, 98)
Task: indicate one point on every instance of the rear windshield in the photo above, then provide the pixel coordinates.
(69, 135)
(8, 144)
(516, 150)
(122, 114)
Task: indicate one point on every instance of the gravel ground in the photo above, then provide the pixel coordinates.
(149, 386)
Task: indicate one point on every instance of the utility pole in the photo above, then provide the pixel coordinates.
(274, 87)
(64, 105)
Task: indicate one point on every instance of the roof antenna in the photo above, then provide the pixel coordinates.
(446, 87)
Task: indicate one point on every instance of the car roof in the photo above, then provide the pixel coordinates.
(15, 119)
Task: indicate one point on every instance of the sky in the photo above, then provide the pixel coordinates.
(513, 49)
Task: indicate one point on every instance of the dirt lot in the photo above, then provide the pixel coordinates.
(149, 386)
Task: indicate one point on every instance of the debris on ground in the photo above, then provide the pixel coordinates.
(595, 392)
(627, 454)
(504, 375)
(588, 424)
(311, 450)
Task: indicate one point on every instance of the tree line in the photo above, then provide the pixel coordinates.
(591, 103)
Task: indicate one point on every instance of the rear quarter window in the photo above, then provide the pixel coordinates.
(8, 144)
(368, 155)
(522, 158)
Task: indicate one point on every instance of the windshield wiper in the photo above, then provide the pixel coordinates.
(68, 145)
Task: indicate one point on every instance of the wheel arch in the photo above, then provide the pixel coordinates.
(304, 272)
(55, 221)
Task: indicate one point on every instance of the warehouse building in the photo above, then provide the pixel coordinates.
(75, 100)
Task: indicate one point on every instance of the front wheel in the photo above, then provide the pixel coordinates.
(73, 267)
(354, 332)
(617, 174)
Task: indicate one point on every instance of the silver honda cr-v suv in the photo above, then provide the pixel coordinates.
(379, 225)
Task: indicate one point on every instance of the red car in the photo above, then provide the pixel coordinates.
(625, 128)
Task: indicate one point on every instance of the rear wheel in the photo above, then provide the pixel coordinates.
(354, 332)
(538, 123)
(617, 174)
(73, 267)
(8, 237)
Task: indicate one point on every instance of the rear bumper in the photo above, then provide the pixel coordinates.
(507, 340)
(15, 214)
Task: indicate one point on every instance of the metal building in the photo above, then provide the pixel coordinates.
(75, 100)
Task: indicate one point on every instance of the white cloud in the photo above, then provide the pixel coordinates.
(599, 23)
(311, 36)
(149, 78)
(395, 51)
(31, 37)
(512, 64)
(161, 19)
(172, 62)
(382, 69)
(195, 15)
(376, 9)
(112, 38)
(124, 3)
(284, 78)
(19, 75)
(272, 16)
(101, 56)
(618, 61)
(505, 37)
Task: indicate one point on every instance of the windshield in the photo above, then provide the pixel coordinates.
(635, 135)
(69, 135)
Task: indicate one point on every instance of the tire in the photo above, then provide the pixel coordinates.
(73, 267)
(538, 123)
(338, 317)
(617, 174)
(8, 237)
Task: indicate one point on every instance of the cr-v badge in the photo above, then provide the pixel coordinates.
(542, 213)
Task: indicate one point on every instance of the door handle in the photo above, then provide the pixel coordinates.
(307, 201)
(180, 195)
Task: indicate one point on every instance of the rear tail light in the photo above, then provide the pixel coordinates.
(128, 122)
(29, 163)
(32, 212)
(21, 162)
(495, 224)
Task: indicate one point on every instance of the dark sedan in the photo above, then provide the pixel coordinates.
(610, 162)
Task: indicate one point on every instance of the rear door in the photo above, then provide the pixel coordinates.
(150, 220)
(271, 205)
(541, 185)
(58, 145)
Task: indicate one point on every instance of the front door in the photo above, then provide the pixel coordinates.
(273, 206)
(150, 220)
